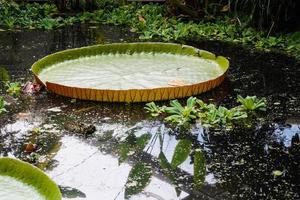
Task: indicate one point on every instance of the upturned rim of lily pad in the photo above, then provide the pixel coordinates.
(130, 95)
(30, 175)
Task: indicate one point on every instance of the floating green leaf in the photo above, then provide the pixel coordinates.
(139, 177)
(31, 176)
(182, 151)
(147, 71)
(199, 168)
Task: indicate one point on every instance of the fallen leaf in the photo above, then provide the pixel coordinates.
(30, 147)
(31, 88)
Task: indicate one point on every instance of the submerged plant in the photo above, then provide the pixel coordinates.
(13, 88)
(252, 103)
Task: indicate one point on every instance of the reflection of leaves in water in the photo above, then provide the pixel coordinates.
(69, 192)
(199, 168)
(182, 151)
(168, 171)
(139, 177)
(132, 145)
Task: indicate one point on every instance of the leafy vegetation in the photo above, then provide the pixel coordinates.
(208, 114)
(149, 21)
(263, 14)
(252, 103)
(13, 88)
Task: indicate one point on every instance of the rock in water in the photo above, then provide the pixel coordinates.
(79, 127)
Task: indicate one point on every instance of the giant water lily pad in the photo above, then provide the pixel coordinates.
(131, 72)
(22, 181)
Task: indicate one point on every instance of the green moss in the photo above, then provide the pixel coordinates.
(30, 175)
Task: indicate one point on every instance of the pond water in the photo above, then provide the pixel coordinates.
(261, 162)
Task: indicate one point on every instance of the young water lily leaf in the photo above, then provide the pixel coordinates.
(139, 177)
(182, 151)
(199, 168)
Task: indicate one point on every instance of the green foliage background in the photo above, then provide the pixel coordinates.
(154, 22)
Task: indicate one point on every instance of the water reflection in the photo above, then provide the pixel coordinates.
(240, 164)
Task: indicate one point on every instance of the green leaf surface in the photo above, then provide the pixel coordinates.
(30, 175)
(127, 66)
(182, 151)
(139, 177)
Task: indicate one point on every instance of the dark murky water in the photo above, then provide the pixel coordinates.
(240, 164)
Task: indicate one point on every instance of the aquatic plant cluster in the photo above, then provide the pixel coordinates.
(150, 22)
(209, 115)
